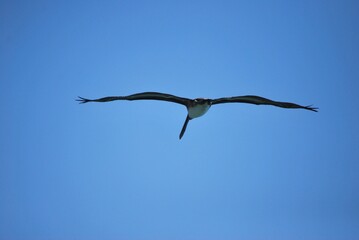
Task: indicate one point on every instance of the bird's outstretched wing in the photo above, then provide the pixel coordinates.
(140, 96)
(260, 101)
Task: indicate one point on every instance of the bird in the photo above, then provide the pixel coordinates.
(199, 106)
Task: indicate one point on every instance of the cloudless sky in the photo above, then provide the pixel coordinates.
(118, 170)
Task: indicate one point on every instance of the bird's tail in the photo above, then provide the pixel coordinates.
(184, 127)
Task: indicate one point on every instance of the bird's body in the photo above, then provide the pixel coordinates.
(198, 109)
(199, 106)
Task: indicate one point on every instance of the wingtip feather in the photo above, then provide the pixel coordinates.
(314, 109)
(82, 100)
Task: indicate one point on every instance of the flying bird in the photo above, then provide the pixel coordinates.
(199, 106)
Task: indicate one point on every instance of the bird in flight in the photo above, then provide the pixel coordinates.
(199, 106)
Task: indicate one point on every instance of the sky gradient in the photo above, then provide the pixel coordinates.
(118, 170)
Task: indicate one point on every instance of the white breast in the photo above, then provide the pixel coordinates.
(198, 110)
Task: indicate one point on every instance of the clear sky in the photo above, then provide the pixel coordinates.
(118, 170)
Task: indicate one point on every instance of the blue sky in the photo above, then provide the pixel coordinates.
(118, 171)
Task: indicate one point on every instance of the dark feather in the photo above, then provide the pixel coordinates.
(141, 96)
(260, 101)
(184, 127)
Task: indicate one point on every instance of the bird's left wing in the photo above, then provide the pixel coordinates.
(260, 101)
(140, 96)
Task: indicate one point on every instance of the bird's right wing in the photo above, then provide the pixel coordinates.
(259, 101)
(140, 96)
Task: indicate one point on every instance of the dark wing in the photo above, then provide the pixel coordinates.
(140, 96)
(260, 101)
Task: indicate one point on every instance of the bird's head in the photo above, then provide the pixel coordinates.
(202, 101)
